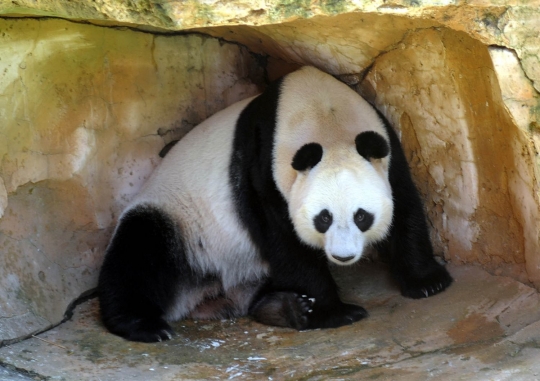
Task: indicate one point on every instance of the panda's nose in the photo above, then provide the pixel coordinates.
(343, 259)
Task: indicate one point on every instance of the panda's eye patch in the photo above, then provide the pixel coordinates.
(363, 219)
(322, 221)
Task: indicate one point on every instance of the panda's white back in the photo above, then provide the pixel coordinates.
(192, 185)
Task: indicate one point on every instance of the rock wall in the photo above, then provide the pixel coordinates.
(85, 111)
(86, 108)
(462, 145)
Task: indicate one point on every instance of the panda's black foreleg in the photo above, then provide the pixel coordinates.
(140, 274)
(292, 310)
(408, 247)
(410, 256)
(338, 315)
(329, 311)
(302, 294)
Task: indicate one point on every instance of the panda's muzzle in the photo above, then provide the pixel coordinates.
(344, 245)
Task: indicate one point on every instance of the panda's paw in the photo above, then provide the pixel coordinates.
(283, 309)
(146, 330)
(337, 316)
(435, 282)
(151, 330)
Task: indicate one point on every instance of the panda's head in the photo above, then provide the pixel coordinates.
(330, 162)
(341, 201)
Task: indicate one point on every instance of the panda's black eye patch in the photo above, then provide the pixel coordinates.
(371, 145)
(307, 156)
(363, 219)
(322, 221)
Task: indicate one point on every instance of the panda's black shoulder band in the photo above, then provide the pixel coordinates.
(372, 145)
(307, 156)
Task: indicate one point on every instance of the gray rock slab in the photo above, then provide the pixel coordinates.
(482, 327)
(13, 375)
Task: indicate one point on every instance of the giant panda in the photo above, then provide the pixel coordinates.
(244, 215)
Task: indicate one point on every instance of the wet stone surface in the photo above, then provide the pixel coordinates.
(482, 327)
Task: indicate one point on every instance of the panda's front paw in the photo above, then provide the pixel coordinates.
(146, 330)
(336, 316)
(436, 281)
(283, 309)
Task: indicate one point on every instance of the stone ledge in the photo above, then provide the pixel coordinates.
(482, 327)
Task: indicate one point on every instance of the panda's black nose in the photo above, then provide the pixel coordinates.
(343, 259)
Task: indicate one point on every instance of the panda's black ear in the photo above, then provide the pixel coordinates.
(371, 145)
(307, 156)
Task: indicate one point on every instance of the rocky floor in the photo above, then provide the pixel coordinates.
(483, 327)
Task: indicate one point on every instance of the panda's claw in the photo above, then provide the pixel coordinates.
(425, 292)
(168, 334)
(306, 302)
(164, 335)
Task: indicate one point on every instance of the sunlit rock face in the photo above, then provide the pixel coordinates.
(85, 109)
(461, 144)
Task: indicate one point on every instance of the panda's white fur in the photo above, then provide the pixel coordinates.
(315, 107)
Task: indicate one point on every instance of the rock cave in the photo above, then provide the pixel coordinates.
(91, 91)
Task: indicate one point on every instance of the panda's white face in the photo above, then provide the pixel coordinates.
(341, 205)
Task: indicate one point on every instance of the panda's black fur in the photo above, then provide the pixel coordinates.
(149, 274)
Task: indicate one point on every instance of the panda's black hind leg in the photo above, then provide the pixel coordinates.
(141, 271)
